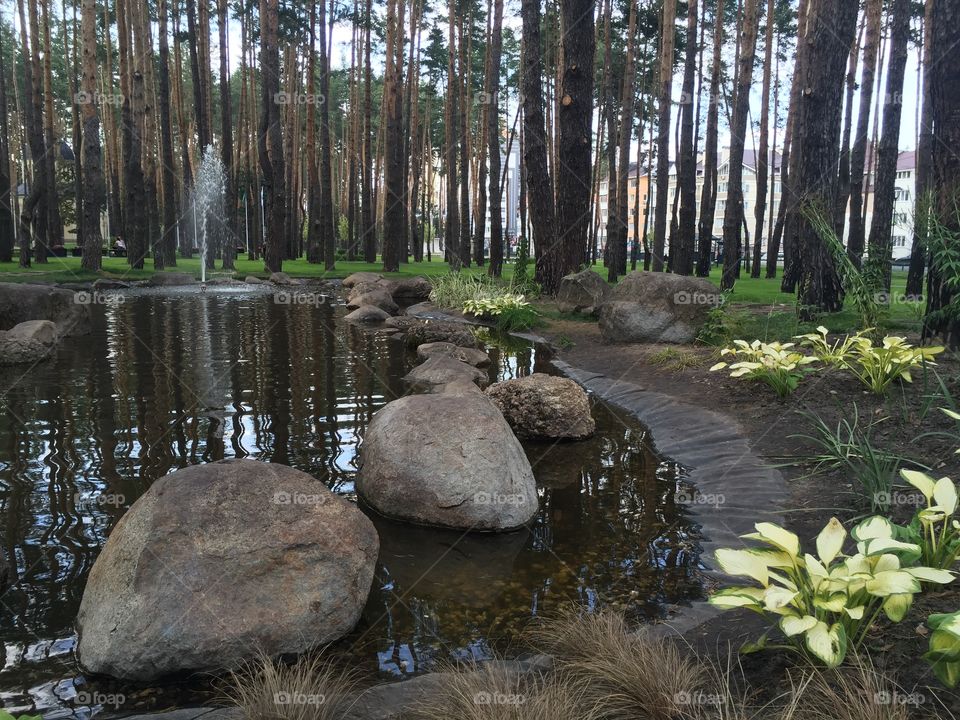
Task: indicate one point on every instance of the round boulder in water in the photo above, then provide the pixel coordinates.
(447, 460)
(544, 406)
(219, 561)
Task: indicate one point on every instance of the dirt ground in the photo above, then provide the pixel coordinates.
(898, 423)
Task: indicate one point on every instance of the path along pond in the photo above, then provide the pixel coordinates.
(175, 378)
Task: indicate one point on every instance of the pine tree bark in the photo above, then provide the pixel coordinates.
(924, 169)
(763, 153)
(270, 138)
(226, 143)
(451, 230)
(369, 232)
(393, 214)
(168, 246)
(93, 186)
(733, 216)
(708, 193)
(668, 36)
(683, 248)
(871, 46)
(6, 211)
(830, 32)
(618, 265)
(493, 140)
(55, 220)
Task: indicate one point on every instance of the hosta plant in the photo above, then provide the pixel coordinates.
(825, 604)
(934, 529)
(878, 366)
(835, 354)
(944, 649)
(511, 311)
(778, 365)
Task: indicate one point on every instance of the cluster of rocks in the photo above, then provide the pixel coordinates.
(374, 298)
(645, 307)
(450, 457)
(33, 319)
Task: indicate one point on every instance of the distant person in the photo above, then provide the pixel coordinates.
(119, 247)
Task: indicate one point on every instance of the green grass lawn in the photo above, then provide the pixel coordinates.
(757, 308)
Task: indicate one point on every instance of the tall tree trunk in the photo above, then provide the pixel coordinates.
(668, 36)
(93, 195)
(493, 140)
(538, 188)
(197, 71)
(733, 216)
(683, 244)
(451, 230)
(368, 204)
(393, 214)
(568, 251)
(34, 215)
(463, 121)
(55, 221)
(924, 169)
(270, 138)
(888, 151)
(945, 93)
(6, 212)
(708, 193)
(171, 211)
(314, 243)
(831, 26)
(871, 45)
(226, 143)
(619, 257)
(843, 194)
(327, 234)
(763, 153)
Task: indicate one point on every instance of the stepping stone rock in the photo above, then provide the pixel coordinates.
(218, 560)
(443, 370)
(367, 314)
(471, 356)
(447, 460)
(416, 288)
(254, 280)
(376, 295)
(419, 331)
(281, 278)
(361, 277)
(544, 406)
(28, 342)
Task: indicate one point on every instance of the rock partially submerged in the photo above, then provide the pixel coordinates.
(367, 314)
(446, 460)
(443, 370)
(584, 292)
(649, 307)
(70, 311)
(544, 406)
(218, 561)
(372, 294)
(361, 277)
(281, 278)
(28, 342)
(471, 356)
(418, 331)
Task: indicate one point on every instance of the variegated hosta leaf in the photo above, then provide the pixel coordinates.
(737, 597)
(830, 541)
(892, 582)
(834, 602)
(855, 613)
(921, 481)
(828, 643)
(945, 495)
(909, 552)
(776, 536)
(934, 575)
(776, 598)
(743, 563)
(897, 606)
(873, 527)
(793, 625)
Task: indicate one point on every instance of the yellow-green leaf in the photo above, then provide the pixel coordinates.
(892, 582)
(830, 541)
(743, 562)
(828, 643)
(873, 527)
(778, 537)
(793, 625)
(921, 481)
(945, 494)
(896, 606)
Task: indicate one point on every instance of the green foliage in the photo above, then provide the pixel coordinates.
(826, 605)
(776, 364)
(675, 359)
(944, 649)
(934, 528)
(848, 447)
(831, 354)
(945, 261)
(720, 326)
(4, 715)
(510, 312)
(878, 366)
(521, 262)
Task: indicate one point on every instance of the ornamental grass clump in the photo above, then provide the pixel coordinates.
(778, 365)
(826, 604)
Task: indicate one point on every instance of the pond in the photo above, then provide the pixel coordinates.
(174, 378)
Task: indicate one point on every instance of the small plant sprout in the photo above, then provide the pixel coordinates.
(776, 364)
(934, 528)
(826, 604)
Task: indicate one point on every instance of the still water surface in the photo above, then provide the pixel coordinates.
(170, 379)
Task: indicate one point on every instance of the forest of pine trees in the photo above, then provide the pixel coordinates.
(365, 131)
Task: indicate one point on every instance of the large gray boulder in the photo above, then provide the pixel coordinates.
(28, 342)
(447, 460)
(471, 356)
(407, 289)
(219, 561)
(361, 277)
(367, 314)
(372, 294)
(442, 370)
(584, 292)
(648, 307)
(544, 406)
(70, 311)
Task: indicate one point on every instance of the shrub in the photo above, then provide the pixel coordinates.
(775, 364)
(835, 354)
(825, 605)
(934, 528)
(509, 311)
(877, 367)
